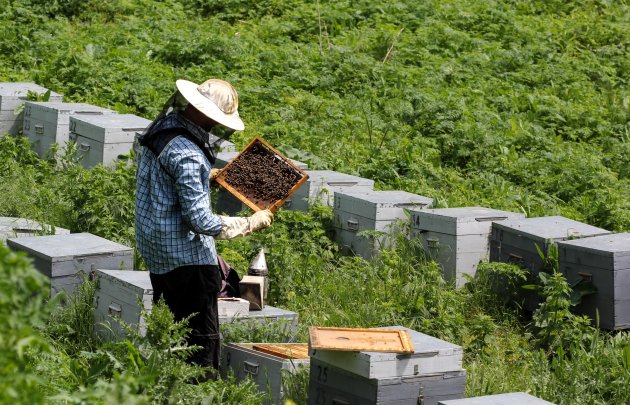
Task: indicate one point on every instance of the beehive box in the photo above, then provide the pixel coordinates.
(515, 241)
(267, 370)
(233, 307)
(226, 202)
(13, 95)
(47, 123)
(283, 321)
(603, 261)
(512, 398)
(11, 227)
(261, 177)
(321, 187)
(121, 296)
(100, 139)
(457, 238)
(355, 212)
(330, 385)
(431, 356)
(66, 258)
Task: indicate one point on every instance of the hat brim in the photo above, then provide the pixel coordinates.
(207, 107)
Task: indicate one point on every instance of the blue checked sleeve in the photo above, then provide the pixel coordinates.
(191, 172)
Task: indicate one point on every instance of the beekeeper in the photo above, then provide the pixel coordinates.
(174, 223)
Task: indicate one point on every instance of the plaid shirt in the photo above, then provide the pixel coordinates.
(174, 221)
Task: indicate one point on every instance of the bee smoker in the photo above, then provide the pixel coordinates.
(258, 267)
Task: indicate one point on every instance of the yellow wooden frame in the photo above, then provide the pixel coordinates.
(360, 339)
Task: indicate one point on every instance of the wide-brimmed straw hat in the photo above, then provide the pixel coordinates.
(216, 99)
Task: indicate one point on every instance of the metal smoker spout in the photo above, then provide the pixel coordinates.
(259, 264)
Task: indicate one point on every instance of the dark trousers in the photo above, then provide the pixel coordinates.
(193, 289)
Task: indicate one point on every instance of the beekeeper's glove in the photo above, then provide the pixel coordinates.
(214, 173)
(234, 227)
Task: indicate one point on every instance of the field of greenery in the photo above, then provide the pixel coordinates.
(519, 105)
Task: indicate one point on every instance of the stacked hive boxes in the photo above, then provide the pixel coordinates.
(12, 96)
(65, 259)
(100, 139)
(457, 238)
(355, 212)
(226, 203)
(47, 123)
(604, 263)
(432, 373)
(266, 368)
(321, 186)
(512, 398)
(517, 241)
(11, 227)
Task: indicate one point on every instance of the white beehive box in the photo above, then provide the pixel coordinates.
(355, 212)
(512, 398)
(12, 95)
(226, 203)
(431, 356)
(457, 238)
(66, 258)
(330, 385)
(121, 295)
(603, 261)
(321, 187)
(47, 123)
(100, 139)
(284, 321)
(266, 370)
(11, 227)
(233, 307)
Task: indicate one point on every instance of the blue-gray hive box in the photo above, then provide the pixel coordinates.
(101, 139)
(226, 203)
(11, 227)
(122, 295)
(516, 241)
(321, 187)
(457, 238)
(433, 372)
(511, 398)
(604, 262)
(47, 123)
(12, 96)
(356, 212)
(65, 259)
(264, 369)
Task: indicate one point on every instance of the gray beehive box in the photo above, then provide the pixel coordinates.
(457, 238)
(66, 258)
(431, 356)
(512, 398)
(331, 385)
(603, 261)
(321, 187)
(121, 295)
(355, 212)
(266, 370)
(284, 321)
(11, 227)
(47, 123)
(12, 95)
(100, 139)
(516, 241)
(226, 203)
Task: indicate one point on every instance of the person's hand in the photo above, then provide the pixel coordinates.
(260, 220)
(234, 227)
(214, 173)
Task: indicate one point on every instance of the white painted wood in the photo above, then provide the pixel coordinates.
(12, 94)
(321, 186)
(512, 398)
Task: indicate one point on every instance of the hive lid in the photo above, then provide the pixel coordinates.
(359, 339)
(455, 220)
(140, 280)
(57, 248)
(379, 205)
(108, 127)
(14, 93)
(610, 251)
(551, 227)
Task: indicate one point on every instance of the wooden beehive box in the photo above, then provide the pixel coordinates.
(261, 177)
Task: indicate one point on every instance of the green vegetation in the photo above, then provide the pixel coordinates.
(519, 105)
